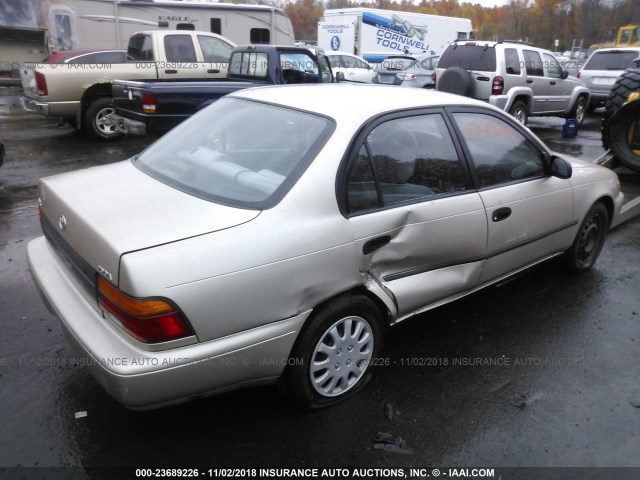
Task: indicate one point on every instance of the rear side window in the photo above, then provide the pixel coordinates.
(512, 61)
(179, 48)
(612, 60)
(404, 160)
(480, 58)
(140, 48)
(533, 63)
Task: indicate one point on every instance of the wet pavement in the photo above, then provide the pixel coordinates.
(540, 372)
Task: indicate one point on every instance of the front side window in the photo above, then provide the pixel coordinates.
(553, 67)
(533, 63)
(238, 152)
(214, 49)
(500, 153)
(404, 160)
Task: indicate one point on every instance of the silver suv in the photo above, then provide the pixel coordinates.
(603, 69)
(517, 77)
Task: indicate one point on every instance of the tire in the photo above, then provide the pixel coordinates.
(519, 111)
(346, 334)
(589, 240)
(626, 83)
(579, 110)
(623, 134)
(455, 80)
(94, 120)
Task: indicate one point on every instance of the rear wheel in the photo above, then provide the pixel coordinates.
(96, 121)
(519, 111)
(589, 241)
(579, 110)
(334, 353)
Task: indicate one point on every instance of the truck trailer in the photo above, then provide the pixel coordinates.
(375, 34)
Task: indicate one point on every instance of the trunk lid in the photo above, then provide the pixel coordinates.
(99, 214)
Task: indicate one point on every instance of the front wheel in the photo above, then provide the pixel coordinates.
(589, 241)
(519, 111)
(334, 353)
(96, 121)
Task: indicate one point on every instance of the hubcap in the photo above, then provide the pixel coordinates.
(103, 123)
(341, 356)
(518, 114)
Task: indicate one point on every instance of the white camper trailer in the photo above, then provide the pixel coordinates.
(54, 25)
(376, 34)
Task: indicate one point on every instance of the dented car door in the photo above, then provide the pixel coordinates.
(420, 228)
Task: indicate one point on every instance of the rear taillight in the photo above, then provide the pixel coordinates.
(497, 87)
(149, 320)
(41, 85)
(148, 102)
(433, 79)
(406, 76)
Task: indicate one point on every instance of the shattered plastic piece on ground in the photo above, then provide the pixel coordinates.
(389, 443)
(388, 410)
(81, 414)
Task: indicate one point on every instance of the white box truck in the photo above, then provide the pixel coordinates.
(375, 34)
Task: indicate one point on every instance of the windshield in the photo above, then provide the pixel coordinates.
(238, 152)
(612, 60)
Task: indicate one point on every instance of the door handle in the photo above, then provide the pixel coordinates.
(529, 80)
(213, 70)
(375, 243)
(501, 214)
(171, 71)
(552, 82)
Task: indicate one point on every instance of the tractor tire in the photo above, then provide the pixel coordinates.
(623, 134)
(627, 83)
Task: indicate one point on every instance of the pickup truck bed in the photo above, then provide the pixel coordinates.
(154, 107)
(157, 107)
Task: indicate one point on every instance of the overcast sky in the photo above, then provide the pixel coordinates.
(487, 3)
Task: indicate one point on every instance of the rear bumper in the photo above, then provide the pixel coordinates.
(128, 126)
(30, 105)
(141, 379)
(51, 109)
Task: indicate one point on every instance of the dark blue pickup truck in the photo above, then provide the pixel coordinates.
(158, 106)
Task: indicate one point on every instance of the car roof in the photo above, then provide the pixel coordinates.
(346, 102)
(619, 49)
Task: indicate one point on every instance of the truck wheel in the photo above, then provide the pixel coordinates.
(96, 123)
(334, 353)
(589, 240)
(626, 83)
(623, 134)
(519, 111)
(579, 110)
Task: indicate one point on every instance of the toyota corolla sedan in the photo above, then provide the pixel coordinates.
(275, 236)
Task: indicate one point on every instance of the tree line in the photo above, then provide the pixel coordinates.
(540, 22)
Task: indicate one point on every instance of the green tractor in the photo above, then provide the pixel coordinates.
(621, 122)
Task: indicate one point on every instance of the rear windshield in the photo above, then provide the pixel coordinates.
(613, 60)
(480, 58)
(238, 152)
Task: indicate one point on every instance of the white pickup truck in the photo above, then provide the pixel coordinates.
(81, 93)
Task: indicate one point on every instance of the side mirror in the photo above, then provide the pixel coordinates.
(565, 74)
(560, 167)
(339, 76)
